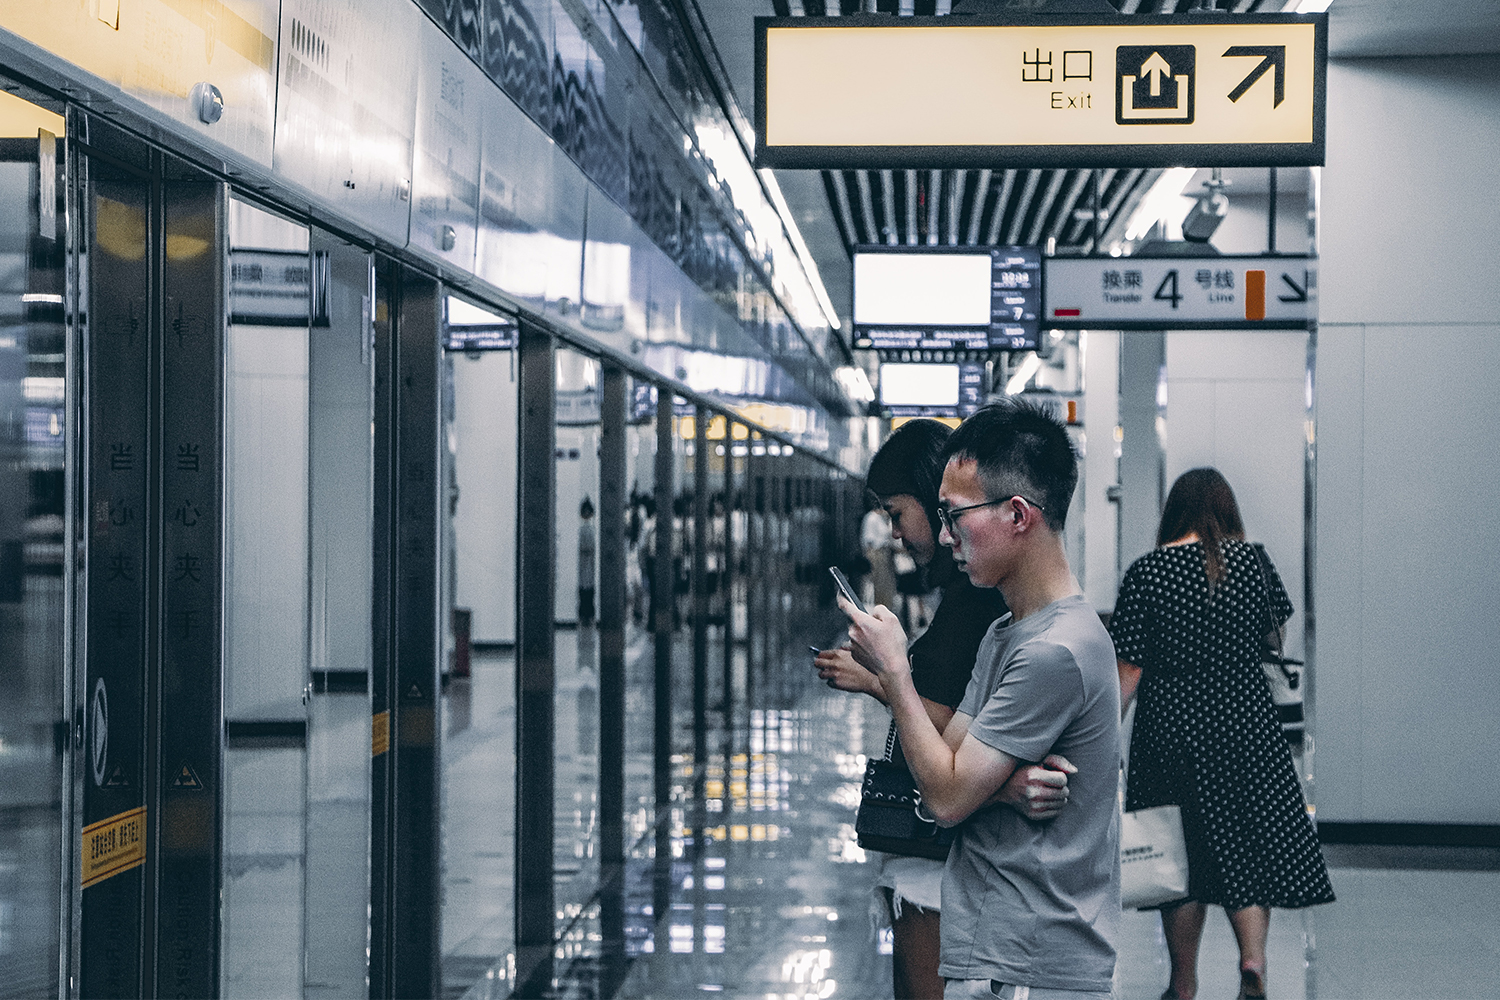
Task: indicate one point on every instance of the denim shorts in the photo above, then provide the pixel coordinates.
(994, 989)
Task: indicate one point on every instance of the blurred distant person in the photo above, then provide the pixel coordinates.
(588, 548)
(875, 537)
(1189, 628)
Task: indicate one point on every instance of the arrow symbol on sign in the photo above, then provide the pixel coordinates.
(1158, 69)
(1271, 55)
(1299, 292)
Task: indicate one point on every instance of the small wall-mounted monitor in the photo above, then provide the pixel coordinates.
(931, 390)
(945, 298)
(925, 385)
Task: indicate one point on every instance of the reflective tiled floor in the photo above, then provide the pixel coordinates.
(789, 917)
(761, 889)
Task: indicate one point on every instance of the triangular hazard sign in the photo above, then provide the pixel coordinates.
(187, 778)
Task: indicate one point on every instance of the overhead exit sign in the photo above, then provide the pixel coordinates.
(969, 92)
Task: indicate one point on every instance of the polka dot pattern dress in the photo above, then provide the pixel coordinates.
(1206, 734)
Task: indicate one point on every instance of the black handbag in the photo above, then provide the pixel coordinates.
(1283, 673)
(891, 817)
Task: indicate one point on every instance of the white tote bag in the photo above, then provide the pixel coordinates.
(1153, 857)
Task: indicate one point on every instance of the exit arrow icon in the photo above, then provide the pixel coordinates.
(1271, 55)
(1299, 292)
(1158, 69)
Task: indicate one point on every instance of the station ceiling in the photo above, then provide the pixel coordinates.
(838, 209)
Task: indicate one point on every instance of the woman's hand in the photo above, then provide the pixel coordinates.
(876, 639)
(838, 669)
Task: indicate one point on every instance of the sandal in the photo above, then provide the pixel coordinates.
(1245, 994)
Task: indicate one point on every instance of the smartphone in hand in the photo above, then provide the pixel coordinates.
(844, 586)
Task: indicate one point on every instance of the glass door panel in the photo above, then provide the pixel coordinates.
(640, 665)
(266, 603)
(481, 401)
(34, 398)
(340, 633)
(576, 855)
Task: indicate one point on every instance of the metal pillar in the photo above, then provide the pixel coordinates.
(1142, 465)
(614, 508)
(700, 591)
(535, 677)
(662, 600)
(405, 815)
(189, 723)
(151, 706)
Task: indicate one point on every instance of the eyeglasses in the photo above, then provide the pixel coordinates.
(948, 515)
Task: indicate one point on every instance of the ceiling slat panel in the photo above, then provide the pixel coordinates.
(842, 210)
(869, 232)
(888, 205)
(911, 208)
(1018, 214)
(1001, 201)
(976, 214)
(934, 202)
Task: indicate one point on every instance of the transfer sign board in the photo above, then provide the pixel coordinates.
(1181, 293)
(968, 92)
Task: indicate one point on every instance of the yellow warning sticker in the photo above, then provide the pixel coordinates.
(380, 733)
(113, 845)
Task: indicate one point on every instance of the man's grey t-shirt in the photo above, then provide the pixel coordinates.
(1038, 903)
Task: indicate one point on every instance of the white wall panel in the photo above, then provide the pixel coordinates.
(532, 209)
(1431, 534)
(1101, 412)
(265, 509)
(346, 107)
(1237, 401)
(445, 170)
(1408, 461)
(1408, 212)
(156, 51)
(484, 524)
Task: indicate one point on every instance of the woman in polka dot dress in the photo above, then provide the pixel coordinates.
(1188, 629)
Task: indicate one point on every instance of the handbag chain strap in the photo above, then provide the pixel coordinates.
(890, 741)
(1265, 587)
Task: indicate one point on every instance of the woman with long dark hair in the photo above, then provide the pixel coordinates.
(1189, 628)
(904, 478)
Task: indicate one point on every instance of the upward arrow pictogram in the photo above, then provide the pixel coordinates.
(1158, 69)
(1272, 55)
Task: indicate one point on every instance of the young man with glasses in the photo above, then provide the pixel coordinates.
(1029, 909)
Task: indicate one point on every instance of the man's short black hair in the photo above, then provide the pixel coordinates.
(1022, 449)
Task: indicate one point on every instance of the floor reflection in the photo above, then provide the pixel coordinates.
(755, 887)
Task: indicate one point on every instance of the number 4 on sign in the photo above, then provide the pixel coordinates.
(1167, 290)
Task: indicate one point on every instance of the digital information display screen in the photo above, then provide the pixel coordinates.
(947, 298)
(931, 390)
(468, 327)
